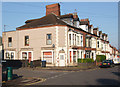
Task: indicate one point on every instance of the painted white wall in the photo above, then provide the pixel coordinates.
(92, 29)
(93, 41)
(77, 23)
(84, 27)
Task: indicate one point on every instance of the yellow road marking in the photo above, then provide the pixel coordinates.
(36, 82)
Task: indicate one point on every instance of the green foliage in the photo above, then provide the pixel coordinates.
(88, 60)
(100, 58)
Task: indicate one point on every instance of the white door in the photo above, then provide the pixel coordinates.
(62, 59)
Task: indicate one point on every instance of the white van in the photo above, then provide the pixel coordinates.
(116, 60)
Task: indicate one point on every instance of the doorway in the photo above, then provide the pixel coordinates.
(62, 59)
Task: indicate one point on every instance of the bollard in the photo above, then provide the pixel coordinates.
(9, 73)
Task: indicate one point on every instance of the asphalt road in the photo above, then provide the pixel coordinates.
(102, 76)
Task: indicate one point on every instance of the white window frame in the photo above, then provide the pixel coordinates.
(27, 54)
(10, 54)
(10, 43)
(47, 51)
(81, 40)
(78, 41)
(71, 38)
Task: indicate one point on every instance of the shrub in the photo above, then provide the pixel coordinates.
(88, 60)
(100, 58)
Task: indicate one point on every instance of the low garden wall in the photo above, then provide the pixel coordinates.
(20, 63)
(86, 63)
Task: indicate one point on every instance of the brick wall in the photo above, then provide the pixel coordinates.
(53, 8)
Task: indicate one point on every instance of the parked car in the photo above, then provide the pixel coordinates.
(107, 63)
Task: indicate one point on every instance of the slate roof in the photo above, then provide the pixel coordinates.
(50, 19)
(66, 16)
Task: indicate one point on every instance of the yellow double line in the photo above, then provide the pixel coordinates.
(42, 80)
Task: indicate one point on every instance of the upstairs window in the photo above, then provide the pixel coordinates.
(98, 44)
(78, 40)
(26, 40)
(81, 40)
(88, 42)
(9, 41)
(69, 39)
(49, 39)
(73, 39)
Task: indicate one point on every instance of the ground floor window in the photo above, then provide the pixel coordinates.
(87, 54)
(77, 54)
(81, 54)
(74, 56)
(92, 55)
(47, 56)
(27, 55)
(10, 54)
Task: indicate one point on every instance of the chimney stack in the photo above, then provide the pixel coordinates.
(95, 31)
(53, 8)
(75, 15)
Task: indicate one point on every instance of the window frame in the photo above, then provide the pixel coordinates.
(81, 40)
(9, 42)
(70, 39)
(25, 43)
(98, 44)
(8, 55)
(78, 40)
(27, 55)
(48, 39)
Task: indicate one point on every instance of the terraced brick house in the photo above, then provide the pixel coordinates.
(58, 39)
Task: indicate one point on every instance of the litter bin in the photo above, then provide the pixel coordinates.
(43, 63)
(9, 73)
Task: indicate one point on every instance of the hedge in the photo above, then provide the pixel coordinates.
(88, 60)
(100, 58)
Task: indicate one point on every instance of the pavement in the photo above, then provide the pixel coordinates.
(65, 76)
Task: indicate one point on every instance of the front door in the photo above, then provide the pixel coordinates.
(62, 59)
(29, 56)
